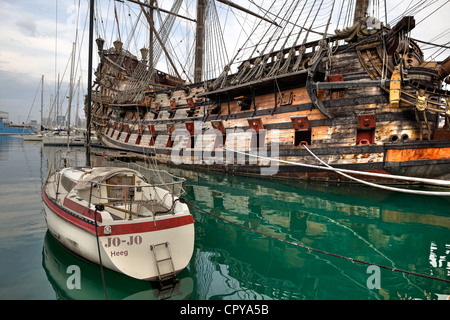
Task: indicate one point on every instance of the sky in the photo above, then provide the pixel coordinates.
(37, 35)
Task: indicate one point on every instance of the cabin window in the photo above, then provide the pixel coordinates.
(119, 192)
(302, 138)
(302, 128)
(190, 113)
(67, 183)
(244, 102)
(365, 133)
(215, 109)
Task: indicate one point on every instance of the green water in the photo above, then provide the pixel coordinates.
(255, 239)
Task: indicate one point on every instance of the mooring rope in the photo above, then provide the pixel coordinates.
(441, 183)
(318, 250)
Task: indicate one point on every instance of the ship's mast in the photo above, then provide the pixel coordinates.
(361, 7)
(200, 31)
(89, 92)
(199, 40)
(151, 54)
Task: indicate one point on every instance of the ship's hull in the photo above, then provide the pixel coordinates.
(422, 159)
(7, 129)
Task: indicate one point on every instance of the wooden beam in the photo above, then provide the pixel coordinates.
(350, 84)
(199, 40)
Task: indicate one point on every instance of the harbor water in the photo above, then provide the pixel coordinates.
(255, 239)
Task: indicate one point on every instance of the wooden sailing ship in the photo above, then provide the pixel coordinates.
(362, 100)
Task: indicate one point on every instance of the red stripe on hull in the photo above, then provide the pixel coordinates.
(119, 229)
(72, 205)
(66, 216)
(149, 226)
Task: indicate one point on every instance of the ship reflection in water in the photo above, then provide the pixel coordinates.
(254, 253)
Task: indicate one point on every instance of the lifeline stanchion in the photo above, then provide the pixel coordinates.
(99, 207)
(318, 250)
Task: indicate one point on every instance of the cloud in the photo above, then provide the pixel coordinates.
(27, 25)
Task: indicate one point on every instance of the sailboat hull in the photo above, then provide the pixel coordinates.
(143, 248)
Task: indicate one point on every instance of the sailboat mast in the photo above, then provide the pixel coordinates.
(89, 93)
(199, 40)
(151, 54)
(42, 103)
(70, 94)
(77, 118)
(57, 104)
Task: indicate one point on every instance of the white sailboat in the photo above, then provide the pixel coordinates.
(130, 221)
(116, 217)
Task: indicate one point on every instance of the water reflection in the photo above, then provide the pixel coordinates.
(57, 263)
(253, 257)
(378, 227)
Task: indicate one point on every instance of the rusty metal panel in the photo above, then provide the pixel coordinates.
(339, 93)
(190, 127)
(300, 123)
(151, 129)
(255, 124)
(367, 121)
(218, 125)
(191, 103)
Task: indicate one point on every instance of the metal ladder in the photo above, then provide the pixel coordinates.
(166, 257)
